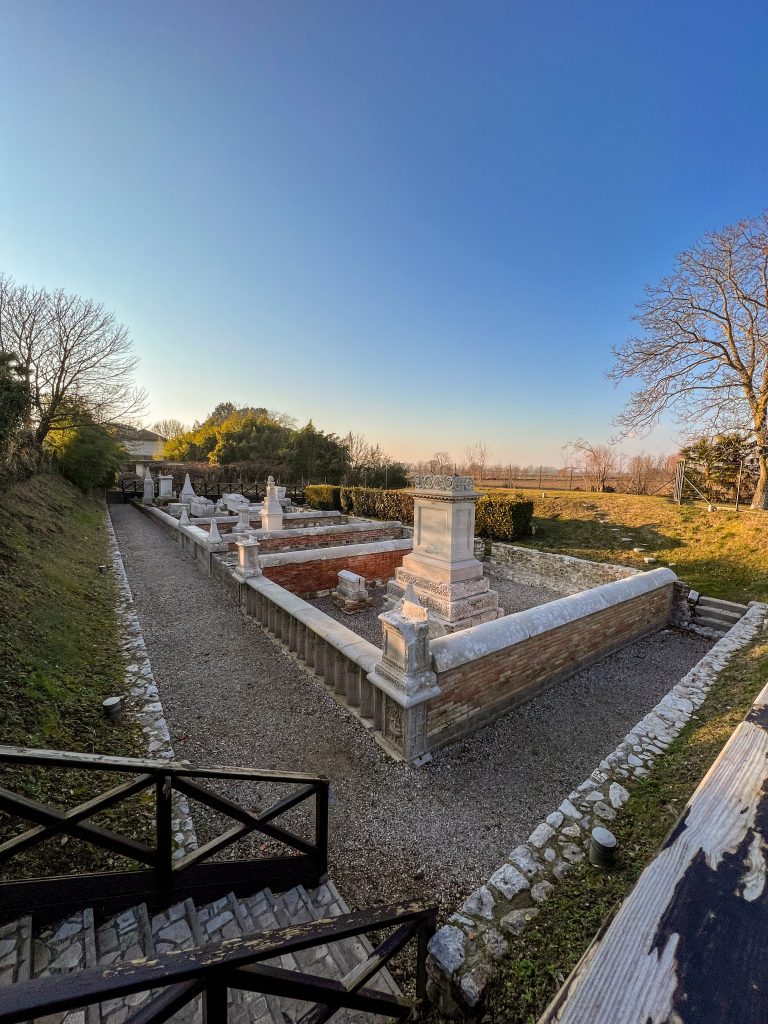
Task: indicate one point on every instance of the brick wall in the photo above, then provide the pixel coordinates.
(480, 690)
(285, 542)
(308, 577)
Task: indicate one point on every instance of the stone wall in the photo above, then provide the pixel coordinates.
(484, 671)
(562, 573)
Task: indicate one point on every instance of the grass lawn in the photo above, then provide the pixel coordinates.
(59, 657)
(540, 960)
(722, 554)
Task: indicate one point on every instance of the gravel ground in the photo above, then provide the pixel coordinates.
(233, 696)
(513, 597)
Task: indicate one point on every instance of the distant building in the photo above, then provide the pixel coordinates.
(144, 446)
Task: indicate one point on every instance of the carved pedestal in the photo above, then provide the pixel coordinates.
(446, 576)
(404, 680)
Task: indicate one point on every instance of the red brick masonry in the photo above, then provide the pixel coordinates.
(480, 690)
(308, 577)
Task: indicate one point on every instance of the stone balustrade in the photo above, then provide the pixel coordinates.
(335, 654)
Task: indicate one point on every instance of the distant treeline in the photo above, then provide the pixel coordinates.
(270, 443)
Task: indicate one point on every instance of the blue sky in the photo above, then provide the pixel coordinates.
(425, 221)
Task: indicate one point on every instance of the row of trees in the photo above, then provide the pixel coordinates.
(66, 374)
(270, 442)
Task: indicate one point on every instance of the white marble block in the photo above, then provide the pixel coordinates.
(248, 557)
(446, 576)
(187, 491)
(405, 678)
(243, 524)
(271, 510)
(165, 484)
(149, 489)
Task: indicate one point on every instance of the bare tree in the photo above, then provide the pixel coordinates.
(169, 428)
(477, 456)
(78, 358)
(441, 462)
(704, 354)
(596, 461)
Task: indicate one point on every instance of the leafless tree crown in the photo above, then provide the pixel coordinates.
(77, 355)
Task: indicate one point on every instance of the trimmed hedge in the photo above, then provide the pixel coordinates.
(325, 497)
(499, 516)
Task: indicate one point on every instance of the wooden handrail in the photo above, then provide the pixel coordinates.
(106, 762)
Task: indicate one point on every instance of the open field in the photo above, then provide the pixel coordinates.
(723, 554)
(540, 960)
(59, 653)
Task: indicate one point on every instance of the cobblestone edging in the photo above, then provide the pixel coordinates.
(143, 700)
(463, 951)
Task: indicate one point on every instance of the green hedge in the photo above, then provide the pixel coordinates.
(499, 516)
(325, 497)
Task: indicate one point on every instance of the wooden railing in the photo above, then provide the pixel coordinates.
(216, 970)
(164, 878)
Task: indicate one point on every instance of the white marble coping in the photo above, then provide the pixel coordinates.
(352, 646)
(489, 637)
(328, 554)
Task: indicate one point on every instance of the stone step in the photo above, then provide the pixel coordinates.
(75, 943)
(712, 622)
(725, 606)
(64, 948)
(716, 613)
(330, 903)
(16, 951)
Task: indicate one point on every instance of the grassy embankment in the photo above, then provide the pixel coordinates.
(541, 959)
(722, 554)
(59, 658)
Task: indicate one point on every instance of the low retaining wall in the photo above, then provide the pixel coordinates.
(307, 572)
(488, 669)
(562, 573)
(318, 537)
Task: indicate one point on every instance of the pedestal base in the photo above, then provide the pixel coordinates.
(451, 606)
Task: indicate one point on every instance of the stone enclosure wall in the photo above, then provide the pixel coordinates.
(562, 573)
(484, 671)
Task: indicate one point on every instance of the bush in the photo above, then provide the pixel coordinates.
(88, 456)
(500, 517)
(376, 503)
(326, 497)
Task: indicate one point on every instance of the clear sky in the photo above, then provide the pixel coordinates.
(424, 221)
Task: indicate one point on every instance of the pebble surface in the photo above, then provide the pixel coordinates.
(232, 695)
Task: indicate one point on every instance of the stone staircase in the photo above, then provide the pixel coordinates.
(80, 942)
(714, 616)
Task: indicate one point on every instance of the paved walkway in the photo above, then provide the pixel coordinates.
(232, 695)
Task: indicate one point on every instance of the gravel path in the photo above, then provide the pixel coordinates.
(233, 696)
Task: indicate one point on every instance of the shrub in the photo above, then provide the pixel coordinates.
(376, 503)
(499, 515)
(88, 456)
(326, 497)
(504, 518)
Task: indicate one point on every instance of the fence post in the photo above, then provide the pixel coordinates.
(164, 831)
(321, 827)
(215, 1003)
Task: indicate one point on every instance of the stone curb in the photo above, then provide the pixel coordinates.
(143, 699)
(462, 952)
